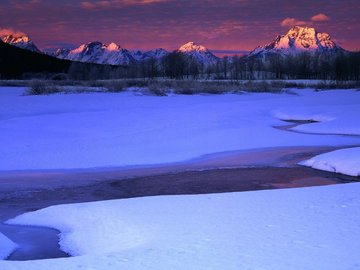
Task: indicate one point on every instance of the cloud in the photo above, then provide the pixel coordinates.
(9, 31)
(288, 22)
(25, 4)
(321, 17)
(292, 22)
(105, 4)
(226, 28)
(95, 5)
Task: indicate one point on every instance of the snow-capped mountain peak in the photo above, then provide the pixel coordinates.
(22, 41)
(192, 47)
(198, 53)
(298, 39)
(113, 47)
(97, 52)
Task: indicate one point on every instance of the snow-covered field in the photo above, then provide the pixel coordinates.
(306, 228)
(102, 130)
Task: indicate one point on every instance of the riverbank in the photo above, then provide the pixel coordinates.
(259, 169)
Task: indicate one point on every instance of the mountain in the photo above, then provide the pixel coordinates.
(296, 40)
(21, 41)
(198, 53)
(97, 52)
(158, 53)
(137, 55)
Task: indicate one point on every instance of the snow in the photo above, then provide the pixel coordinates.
(306, 228)
(330, 110)
(345, 161)
(68, 131)
(6, 246)
(113, 47)
(191, 46)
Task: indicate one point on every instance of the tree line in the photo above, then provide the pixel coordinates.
(323, 66)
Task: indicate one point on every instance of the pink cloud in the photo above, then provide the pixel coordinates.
(226, 28)
(87, 5)
(292, 22)
(95, 5)
(321, 17)
(115, 3)
(9, 31)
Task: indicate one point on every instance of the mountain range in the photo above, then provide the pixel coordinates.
(296, 40)
(114, 54)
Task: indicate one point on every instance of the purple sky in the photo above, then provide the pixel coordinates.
(233, 25)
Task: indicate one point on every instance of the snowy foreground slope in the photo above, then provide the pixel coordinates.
(306, 228)
(6, 246)
(102, 129)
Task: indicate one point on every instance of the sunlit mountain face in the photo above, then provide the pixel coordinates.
(21, 41)
(297, 40)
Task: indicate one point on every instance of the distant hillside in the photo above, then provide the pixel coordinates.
(19, 63)
(14, 62)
